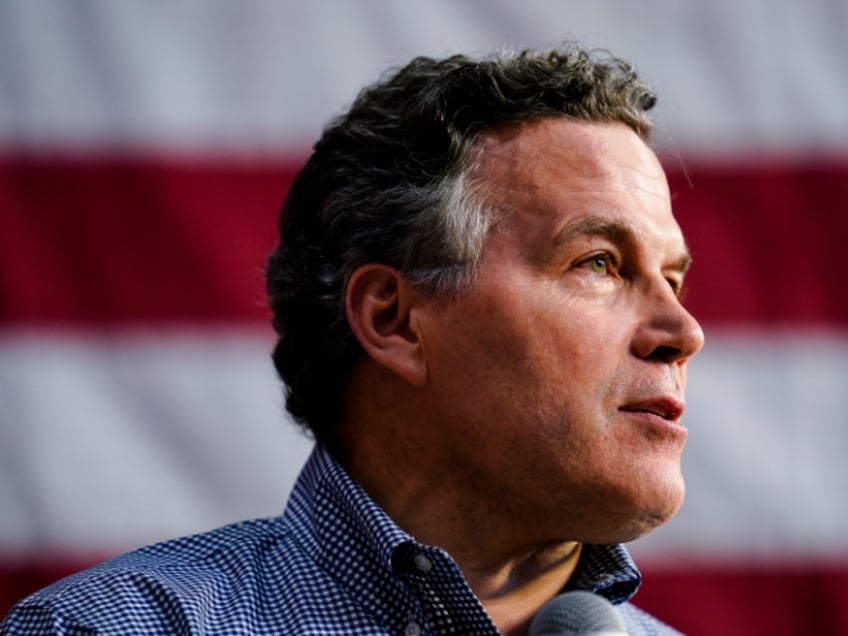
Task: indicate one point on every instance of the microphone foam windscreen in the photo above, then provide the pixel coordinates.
(577, 612)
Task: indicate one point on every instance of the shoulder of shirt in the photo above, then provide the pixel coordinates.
(180, 582)
(265, 576)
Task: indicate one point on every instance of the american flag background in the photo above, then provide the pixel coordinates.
(146, 147)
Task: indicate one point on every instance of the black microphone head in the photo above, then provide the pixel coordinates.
(575, 613)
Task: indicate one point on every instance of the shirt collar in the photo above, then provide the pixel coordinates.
(607, 570)
(349, 536)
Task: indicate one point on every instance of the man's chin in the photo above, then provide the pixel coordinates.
(655, 516)
(647, 515)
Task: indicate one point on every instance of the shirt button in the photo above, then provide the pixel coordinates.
(423, 564)
(413, 629)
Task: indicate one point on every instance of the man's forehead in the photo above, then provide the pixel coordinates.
(572, 154)
(559, 180)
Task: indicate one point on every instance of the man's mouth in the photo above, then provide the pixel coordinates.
(667, 407)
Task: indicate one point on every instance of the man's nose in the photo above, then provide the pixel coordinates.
(669, 333)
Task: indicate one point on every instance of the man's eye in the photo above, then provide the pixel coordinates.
(676, 286)
(600, 263)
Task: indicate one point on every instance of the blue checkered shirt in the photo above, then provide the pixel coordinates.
(334, 563)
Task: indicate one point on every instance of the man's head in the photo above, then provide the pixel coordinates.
(395, 181)
(552, 389)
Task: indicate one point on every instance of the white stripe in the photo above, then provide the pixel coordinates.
(108, 442)
(111, 441)
(265, 75)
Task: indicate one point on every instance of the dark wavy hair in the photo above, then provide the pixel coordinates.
(392, 181)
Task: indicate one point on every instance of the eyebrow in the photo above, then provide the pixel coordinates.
(614, 231)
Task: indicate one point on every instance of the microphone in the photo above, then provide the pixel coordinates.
(577, 613)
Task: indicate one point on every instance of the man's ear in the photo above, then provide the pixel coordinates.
(379, 306)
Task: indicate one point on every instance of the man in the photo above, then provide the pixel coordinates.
(477, 296)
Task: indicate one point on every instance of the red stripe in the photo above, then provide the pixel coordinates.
(697, 601)
(19, 579)
(123, 241)
(767, 240)
(740, 602)
(91, 241)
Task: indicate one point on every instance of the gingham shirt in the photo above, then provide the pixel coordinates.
(334, 563)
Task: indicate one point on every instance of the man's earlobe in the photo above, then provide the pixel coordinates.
(380, 308)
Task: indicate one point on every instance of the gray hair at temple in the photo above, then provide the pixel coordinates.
(393, 181)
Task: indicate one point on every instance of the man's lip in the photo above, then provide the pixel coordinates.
(667, 407)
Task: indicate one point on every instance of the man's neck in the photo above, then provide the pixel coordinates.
(514, 593)
(512, 575)
(509, 562)
(511, 579)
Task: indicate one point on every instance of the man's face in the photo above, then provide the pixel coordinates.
(559, 378)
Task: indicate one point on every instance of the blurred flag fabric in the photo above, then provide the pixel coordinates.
(145, 148)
